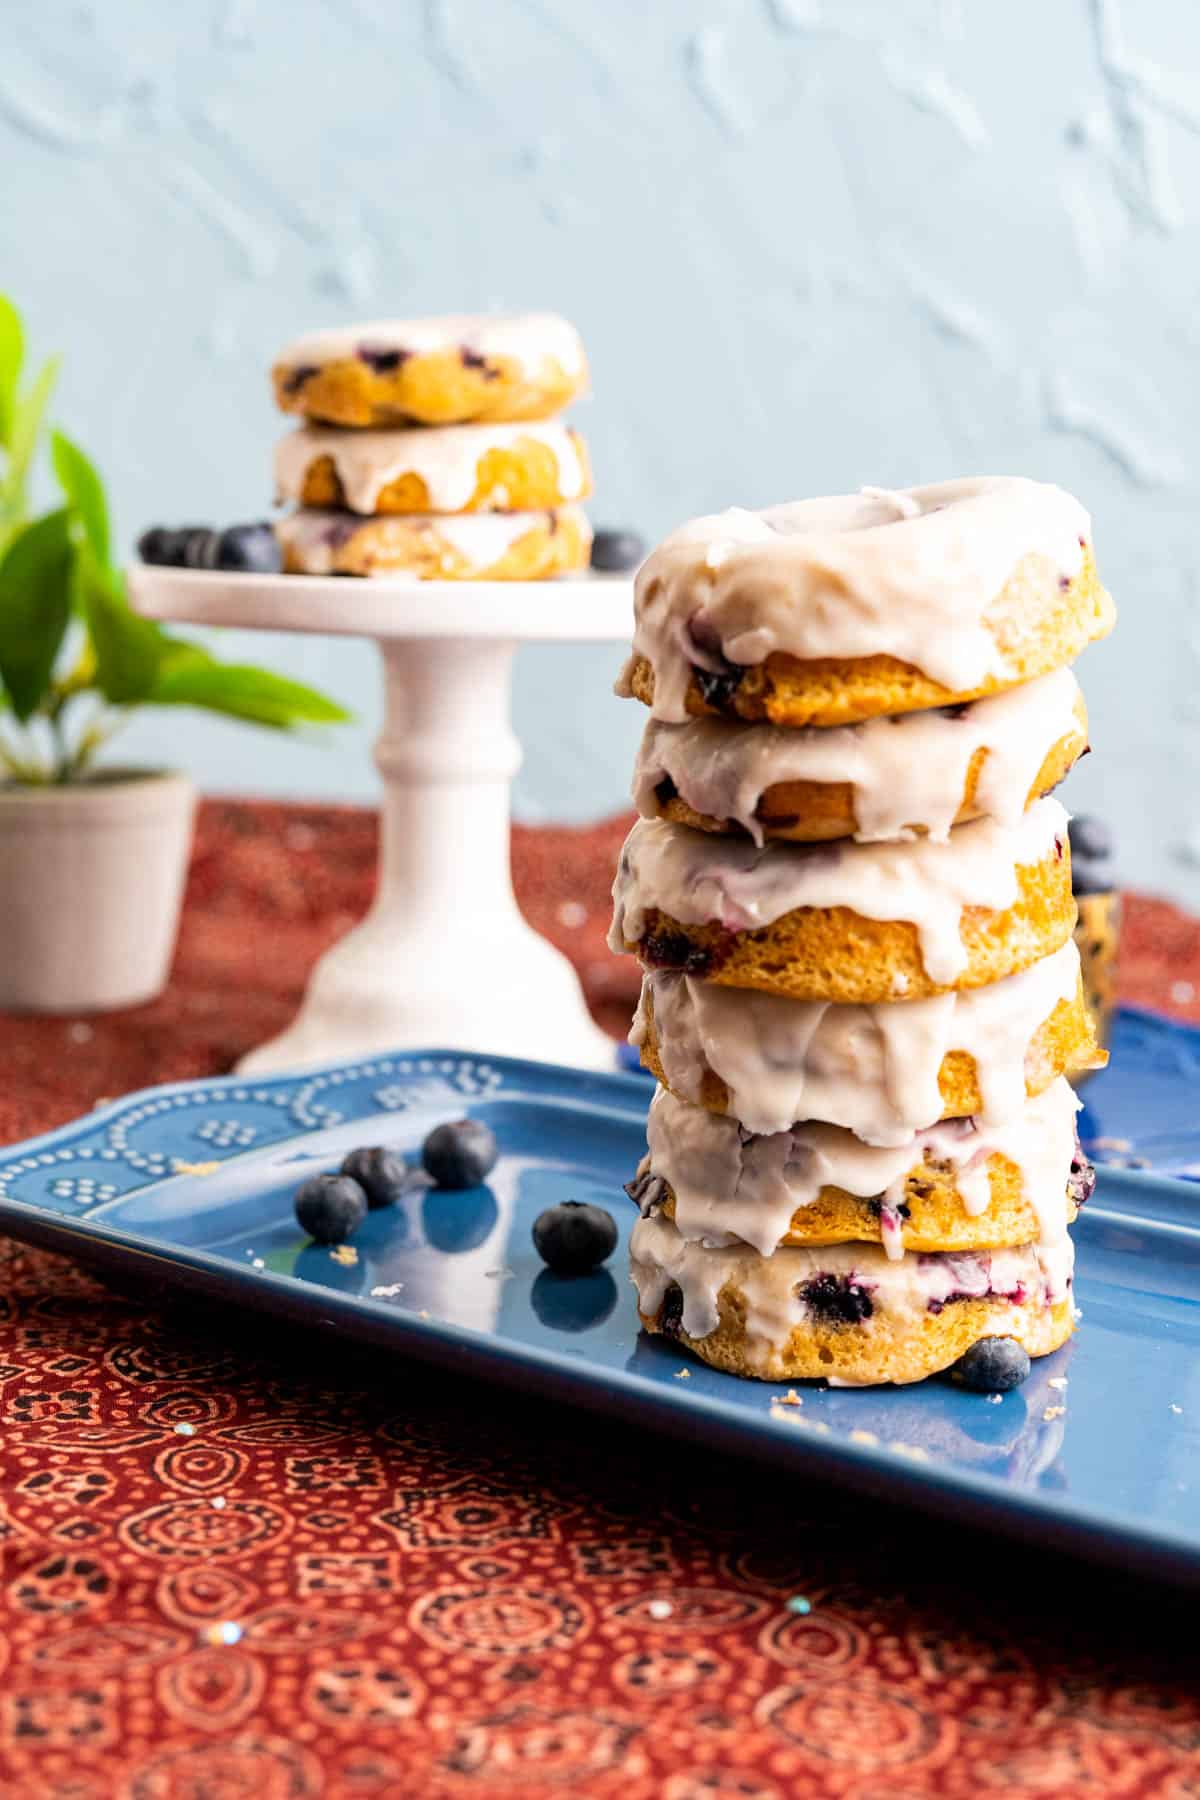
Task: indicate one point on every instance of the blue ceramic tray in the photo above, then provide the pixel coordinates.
(1143, 1111)
(192, 1185)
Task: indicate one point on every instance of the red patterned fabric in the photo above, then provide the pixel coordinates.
(233, 1569)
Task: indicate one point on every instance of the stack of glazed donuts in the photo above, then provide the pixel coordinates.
(430, 450)
(851, 898)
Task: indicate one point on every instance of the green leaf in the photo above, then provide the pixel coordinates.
(246, 693)
(129, 649)
(178, 652)
(12, 351)
(29, 410)
(35, 604)
(81, 483)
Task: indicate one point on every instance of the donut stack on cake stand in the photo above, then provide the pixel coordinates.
(430, 464)
(850, 893)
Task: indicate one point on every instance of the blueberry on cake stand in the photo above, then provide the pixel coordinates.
(444, 956)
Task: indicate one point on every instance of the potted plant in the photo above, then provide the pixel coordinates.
(92, 855)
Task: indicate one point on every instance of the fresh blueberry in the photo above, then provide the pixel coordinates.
(718, 687)
(992, 1366)
(1090, 838)
(382, 360)
(330, 1207)
(672, 950)
(251, 547)
(471, 359)
(380, 1173)
(159, 545)
(199, 546)
(460, 1154)
(670, 1312)
(164, 544)
(616, 552)
(837, 1299)
(295, 378)
(574, 1236)
(1089, 876)
(1081, 1182)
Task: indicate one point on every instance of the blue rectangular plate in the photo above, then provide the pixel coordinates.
(192, 1186)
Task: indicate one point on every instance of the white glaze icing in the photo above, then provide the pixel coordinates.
(1034, 1276)
(908, 773)
(698, 878)
(871, 1069)
(446, 459)
(903, 504)
(907, 573)
(527, 337)
(313, 535)
(732, 1186)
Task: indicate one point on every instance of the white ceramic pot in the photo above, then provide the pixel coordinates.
(91, 883)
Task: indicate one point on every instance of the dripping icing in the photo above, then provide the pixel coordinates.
(1036, 1275)
(909, 773)
(697, 879)
(482, 538)
(730, 1185)
(447, 460)
(528, 338)
(846, 577)
(870, 1068)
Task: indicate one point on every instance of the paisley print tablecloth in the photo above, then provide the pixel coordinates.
(230, 1569)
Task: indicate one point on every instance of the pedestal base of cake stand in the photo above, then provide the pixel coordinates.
(444, 958)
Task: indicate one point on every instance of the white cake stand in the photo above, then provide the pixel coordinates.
(444, 957)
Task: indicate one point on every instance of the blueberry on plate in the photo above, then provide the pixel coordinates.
(199, 547)
(992, 1366)
(616, 552)
(1081, 1182)
(1090, 838)
(1091, 855)
(380, 1173)
(252, 548)
(1090, 877)
(459, 1154)
(164, 544)
(574, 1236)
(330, 1207)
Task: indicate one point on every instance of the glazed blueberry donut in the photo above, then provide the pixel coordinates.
(437, 546)
(846, 922)
(846, 1311)
(882, 1072)
(959, 1185)
(915, 775)
(826, 612)
(444, 371)
(459, 469)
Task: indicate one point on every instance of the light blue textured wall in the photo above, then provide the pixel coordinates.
(809, 246)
